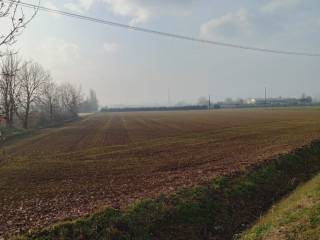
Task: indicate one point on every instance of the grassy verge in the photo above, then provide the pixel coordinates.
(218, 210)
(10, 134)
(295, 217)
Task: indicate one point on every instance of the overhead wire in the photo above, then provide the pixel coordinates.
(162, 33)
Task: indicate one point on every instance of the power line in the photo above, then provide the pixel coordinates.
(166, 34)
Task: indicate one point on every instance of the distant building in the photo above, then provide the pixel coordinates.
(283, 101)
(250, 101)
(270, 102)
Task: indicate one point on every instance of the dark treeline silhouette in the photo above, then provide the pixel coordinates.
(146, 109)
(205, 104)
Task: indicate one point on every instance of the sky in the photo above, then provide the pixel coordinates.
(126, 67)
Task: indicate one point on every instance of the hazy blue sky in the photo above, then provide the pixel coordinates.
(127, 67)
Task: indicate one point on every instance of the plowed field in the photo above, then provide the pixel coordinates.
(114, 159)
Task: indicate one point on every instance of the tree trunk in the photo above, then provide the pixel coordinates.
(26, 118)
(51, 113)
(10, 115)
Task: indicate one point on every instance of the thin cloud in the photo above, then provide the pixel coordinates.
(79, 6)
(110, 47)
(138, 13)
(56, 52)
(50, 4)
(237, 23)
(275, 5)
(73, 7)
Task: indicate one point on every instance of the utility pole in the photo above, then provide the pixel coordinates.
(169, 98)
(265, 96)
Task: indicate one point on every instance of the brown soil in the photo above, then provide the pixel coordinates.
(116, 159)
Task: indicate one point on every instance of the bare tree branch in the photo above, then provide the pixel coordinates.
(32, 78)
(9, 87)
(9, 9)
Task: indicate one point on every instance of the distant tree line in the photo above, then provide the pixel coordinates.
(28, 95)
(90, 104)
(30, 98)
(149, 109)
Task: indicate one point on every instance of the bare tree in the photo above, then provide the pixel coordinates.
(27, 90)
(16, 18)
(70, 98)
(91, 103)
(32, 77)
(50, 99)
(9, 86)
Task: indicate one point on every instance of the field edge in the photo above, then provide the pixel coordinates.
(297, 216)
(223, 208)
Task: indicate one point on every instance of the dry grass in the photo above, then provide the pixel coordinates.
(295, 217)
